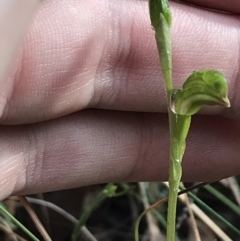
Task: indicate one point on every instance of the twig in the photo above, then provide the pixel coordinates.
(235, 188)
(201, 215)
(192, 218)
(34, 218)
(11, 233)
(46, 219)
(64, 213)
(154, 231)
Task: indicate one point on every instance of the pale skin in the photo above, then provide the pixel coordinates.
(79, 55)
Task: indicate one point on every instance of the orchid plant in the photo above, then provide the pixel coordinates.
(204, 87)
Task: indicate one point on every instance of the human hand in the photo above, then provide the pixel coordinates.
(80, 103)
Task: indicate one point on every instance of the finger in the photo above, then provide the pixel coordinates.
(222, 5)
(80, 55)
(74, 151)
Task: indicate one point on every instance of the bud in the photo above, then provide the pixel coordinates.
(158, 7)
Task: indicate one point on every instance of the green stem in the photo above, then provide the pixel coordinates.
(172, 204)
(179, 126)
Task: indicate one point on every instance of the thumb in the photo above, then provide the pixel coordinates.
(15, 16)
